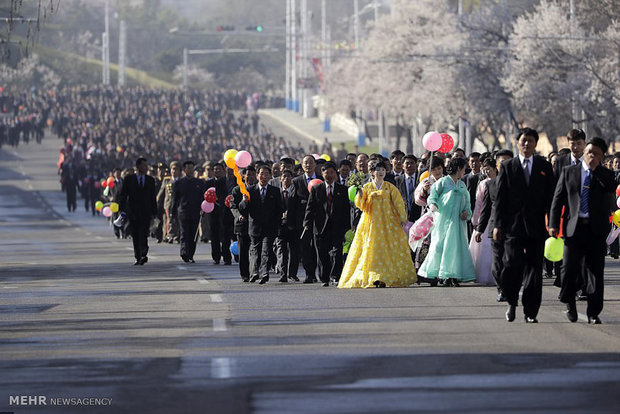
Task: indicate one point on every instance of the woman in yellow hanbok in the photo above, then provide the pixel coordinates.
(379, 255)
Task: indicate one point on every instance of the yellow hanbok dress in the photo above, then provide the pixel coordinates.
(379, 250)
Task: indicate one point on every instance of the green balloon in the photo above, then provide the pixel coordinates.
(554, 249)
(348, 236)
(352, 193)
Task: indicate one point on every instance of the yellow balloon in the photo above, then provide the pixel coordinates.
(114, 207)
(230, 162)
(326, 157)
(616, 218)
(424, 175)
(230, 154)
(98, 205)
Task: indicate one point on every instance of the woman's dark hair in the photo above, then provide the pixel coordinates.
(489, 162)
(374, 164)
(455, 165)
(437, 162)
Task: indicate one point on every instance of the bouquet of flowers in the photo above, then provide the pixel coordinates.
(356, 180)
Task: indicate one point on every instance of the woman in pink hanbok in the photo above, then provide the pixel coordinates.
(481, 252)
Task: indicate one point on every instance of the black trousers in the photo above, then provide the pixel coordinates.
(523, 261)
(329, 251)
(287, 253)
(189, 227)
(139, 236)
(220, 239)
(584, 259)
(308, 255)
(71, 198)
(259, 254)
(497, 263)
(244, 255)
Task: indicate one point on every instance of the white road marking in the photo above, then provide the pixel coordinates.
(220, 368)
(202, 281)
(216, 298)
(17, 287)
(181, 267)
(219, 325)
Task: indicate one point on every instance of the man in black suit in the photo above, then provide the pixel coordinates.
(577, 143)
(241, 227)
(287, 242)
(327, 217)
(306, 244)
(486, 220)
(406, 184)
(471, 180)
(187, 196)
(137, 200)
(525, 188)
(264, 210)
(586, 191)
(222, 221)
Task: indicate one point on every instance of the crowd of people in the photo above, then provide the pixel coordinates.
(157, 153)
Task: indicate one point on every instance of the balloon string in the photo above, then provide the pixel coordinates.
(240, 182)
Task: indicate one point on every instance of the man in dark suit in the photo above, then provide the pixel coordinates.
(222, 221)
(241, 227)
(577, 143)
(471, 180)
(327, 217)
(525, 188)
(306, 244)
(406, 184)
(586, 191)
(137, 200)
(287, 242)
(187, 196)
(264, 209)
(487, 221)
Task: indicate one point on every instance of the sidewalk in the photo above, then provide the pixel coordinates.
(310, 128)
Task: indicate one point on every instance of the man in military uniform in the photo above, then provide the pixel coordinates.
(164, 200)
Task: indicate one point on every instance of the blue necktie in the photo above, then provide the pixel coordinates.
(262, 193)
(584, 207)
(410, 191)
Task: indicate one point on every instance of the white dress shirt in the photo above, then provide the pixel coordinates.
(529, 165)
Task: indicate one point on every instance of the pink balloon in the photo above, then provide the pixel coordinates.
(432, 141)
(618, 202)
(107, 212)
(243, 159)
(207, 207)
(316, 156)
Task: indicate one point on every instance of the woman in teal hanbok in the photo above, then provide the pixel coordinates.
(448, 257)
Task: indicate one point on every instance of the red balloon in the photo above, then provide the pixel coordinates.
(111, 184)
(618, 191)
(211, 195)
(104, 183)
(312, 183)
(228, 200)
(447, 143)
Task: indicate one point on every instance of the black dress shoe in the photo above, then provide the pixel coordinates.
(295, 278)
(433, 282)
(245, 279)
(594, 320)
(530, 320)
(254, 278)
(185, 259)
(309, 280)
(283, 279)
(379, 284)
(216, 262)
(138, 262)
(227, 263)
(326, 284)
(191, 261)
(264, 280)
(144, 260)
(510, 313)
(571, 312)
(501, 297)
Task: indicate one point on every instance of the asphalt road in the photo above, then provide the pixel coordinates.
(78, 320)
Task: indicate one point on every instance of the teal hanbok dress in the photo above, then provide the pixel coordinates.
(448, 255)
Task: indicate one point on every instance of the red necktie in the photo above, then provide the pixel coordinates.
(329, 199)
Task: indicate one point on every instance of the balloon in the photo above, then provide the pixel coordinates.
(210, 195)
(98, 205)
(110, 181)
(326, 157)
(424, 176)
(114, 207)
(554, 249)
(69, 141)
(97, 184)
(316, 156)
(348, 236)
(618, 202)
(230, 154)
(352, 192)
(243, 159)
(432, 141)
(49, 122)
(104, 183)
(312, 183)
(618, 190)
(119, 149)
(447, 143)
(234, 248)
(207, 207)
(106, 212)
(616, 218)
(228, 200)
(106, 192)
